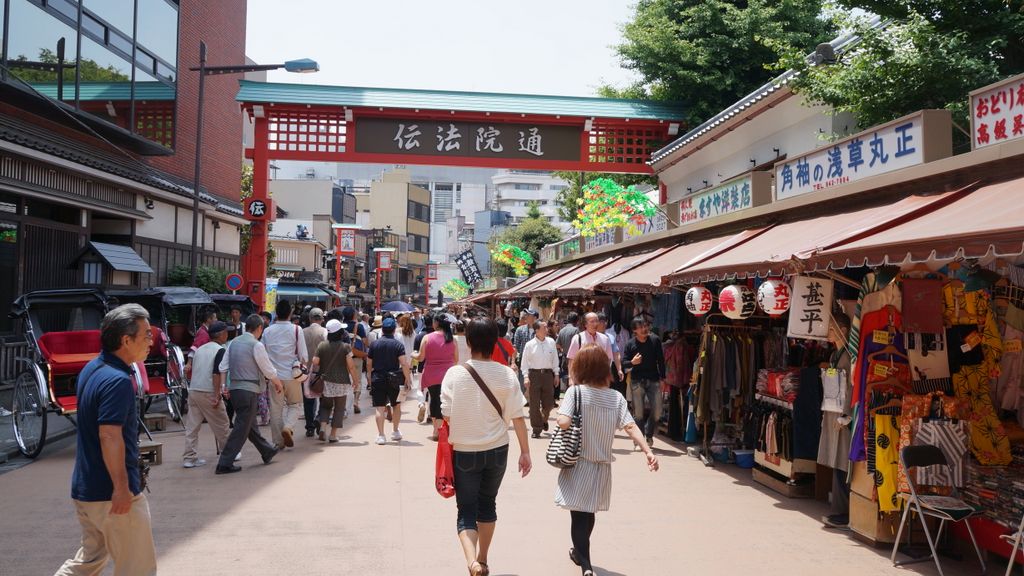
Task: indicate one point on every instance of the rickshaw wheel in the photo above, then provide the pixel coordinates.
(174, 406)
(29, 415)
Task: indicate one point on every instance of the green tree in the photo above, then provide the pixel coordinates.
(245, 233)
(91, 71)
(208, 278)
(533, 210)
(929, 54)
(531, 235)
(567, 197)
(705, 54)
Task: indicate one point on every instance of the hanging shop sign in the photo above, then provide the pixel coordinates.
(270, 295)
(921, 137)
(811, 309)
(431, 271)
(698, 300)
(473, 139)
(383, 259)
(997, 112)
(737, 302)
(656, 223)
(747, 191)
(774, 296)
(467, 265)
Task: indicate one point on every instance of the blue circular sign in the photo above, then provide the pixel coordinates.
(233, 281)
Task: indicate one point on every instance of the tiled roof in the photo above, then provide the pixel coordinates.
(577, 106)
(116, 91)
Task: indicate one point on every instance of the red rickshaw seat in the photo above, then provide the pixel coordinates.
(69, 352)
(68, 404)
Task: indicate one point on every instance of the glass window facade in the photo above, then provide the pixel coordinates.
(102, 79)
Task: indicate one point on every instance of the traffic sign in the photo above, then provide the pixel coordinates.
(233, 282)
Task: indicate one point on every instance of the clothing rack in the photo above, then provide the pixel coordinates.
(773, 400)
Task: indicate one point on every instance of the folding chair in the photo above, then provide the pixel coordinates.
(1014, 539)
(946, 508)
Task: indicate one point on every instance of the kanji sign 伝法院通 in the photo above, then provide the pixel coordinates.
(908, 141)
(472, 139)
(997, 112)
(810, 308)
(747, 191)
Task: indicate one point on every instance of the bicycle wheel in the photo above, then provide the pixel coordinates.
(29, 415)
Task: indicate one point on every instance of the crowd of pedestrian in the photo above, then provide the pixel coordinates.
(473, 372)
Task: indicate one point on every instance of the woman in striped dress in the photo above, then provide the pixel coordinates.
(586, 488)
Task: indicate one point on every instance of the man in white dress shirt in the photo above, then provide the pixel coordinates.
(540, 368)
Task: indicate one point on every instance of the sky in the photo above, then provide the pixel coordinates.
(558, 47)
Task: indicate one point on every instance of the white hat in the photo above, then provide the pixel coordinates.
(333, 326)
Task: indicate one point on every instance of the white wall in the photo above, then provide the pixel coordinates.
(161, 226)
(302, 199)
(792, 126)
(184, 225)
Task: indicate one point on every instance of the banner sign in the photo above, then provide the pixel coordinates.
(747, 191)
(467, 265)
(899, 144)
(655, 223)
(345, 242)
(811, 308)
(270, 295)
(467, 139)
(600, 239)
(384, 261)
(997, 112)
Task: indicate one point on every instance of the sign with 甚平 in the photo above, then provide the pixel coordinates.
(747, 191)
(810, 308)
(472, 139)
(921, 137)
(997, 112)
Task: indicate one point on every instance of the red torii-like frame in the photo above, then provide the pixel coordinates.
(289, 125)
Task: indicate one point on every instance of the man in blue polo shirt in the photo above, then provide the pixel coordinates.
(387, 362)
(106, 484)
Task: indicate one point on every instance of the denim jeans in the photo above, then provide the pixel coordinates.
(477, 479)
(649, 391)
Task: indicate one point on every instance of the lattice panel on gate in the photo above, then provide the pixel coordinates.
(307, 131)
(620, 143)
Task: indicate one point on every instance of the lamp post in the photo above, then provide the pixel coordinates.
(304, 65)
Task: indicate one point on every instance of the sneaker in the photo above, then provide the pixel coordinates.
(535, 434)
(357, 410)
(332, 440)
(381, 440)
(309, 433)
(193, 463)
(837, 521)
(396, 436)
(422, 414)
(286, 434)
(238, 456)
(270, 456)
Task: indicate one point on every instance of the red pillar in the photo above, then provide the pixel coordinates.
(255, 261)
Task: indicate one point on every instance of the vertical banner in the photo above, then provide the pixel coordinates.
(270, 295)
(811, 309)
(384, 261)
(346, 241)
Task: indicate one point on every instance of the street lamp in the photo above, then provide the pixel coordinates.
(303, 66)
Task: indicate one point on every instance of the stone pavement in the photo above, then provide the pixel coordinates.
(357, 508)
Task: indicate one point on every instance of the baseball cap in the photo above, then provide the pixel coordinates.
(216, 328)
(389, 324)
(333, 326)
(316, 314)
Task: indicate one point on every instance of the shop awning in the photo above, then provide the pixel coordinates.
(301, 291)
(550, 287)
(650, 276)
(774, 250)
(584, 285)
(524, 289)
(988, 221)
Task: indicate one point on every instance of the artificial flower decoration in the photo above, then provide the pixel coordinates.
(515, 257)
(456, 288)
(607, 205)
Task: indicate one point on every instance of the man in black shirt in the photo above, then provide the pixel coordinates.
(388, 365)
(644, 360)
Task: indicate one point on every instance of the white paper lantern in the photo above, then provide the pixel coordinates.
(774, 297)
(698, 300)
(737, 302)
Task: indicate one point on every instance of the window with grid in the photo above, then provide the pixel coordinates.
(307, 131)
(611, 144)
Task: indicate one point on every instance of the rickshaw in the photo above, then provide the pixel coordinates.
(62, 329)
(225, 302)
(174, 317)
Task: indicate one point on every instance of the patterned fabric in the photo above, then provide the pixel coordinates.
(872, 282)
(989, 442)
(951, 437)
(888, 320)
(915, 407)
(887, 461)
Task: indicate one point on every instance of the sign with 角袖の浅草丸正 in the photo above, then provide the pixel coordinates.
(915, 139)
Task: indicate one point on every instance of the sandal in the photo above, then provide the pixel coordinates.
(480, 569)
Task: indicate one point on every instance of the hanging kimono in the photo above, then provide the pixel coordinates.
(975, 347)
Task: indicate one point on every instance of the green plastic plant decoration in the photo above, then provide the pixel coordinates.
(513, 256)
(607, 205)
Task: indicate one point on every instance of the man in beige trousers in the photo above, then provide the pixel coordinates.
(106, 485)
(204, 395)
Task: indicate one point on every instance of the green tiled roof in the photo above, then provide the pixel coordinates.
(115, 91)
(265, 92)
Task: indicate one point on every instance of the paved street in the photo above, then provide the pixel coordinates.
(358, 508)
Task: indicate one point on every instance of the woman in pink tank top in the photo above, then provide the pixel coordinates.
(438, 353)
